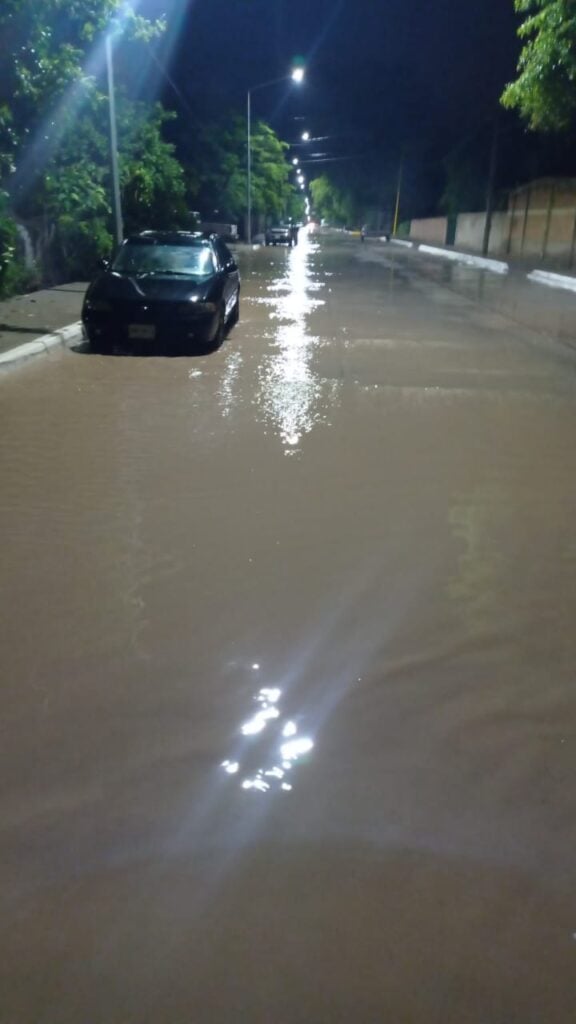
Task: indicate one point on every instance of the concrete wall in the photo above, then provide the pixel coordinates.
(540, 223)
(470, 232)
(543, 220)
(432, 230)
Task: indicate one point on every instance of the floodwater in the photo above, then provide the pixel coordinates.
(288, 664)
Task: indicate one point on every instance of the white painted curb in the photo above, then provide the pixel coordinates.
(400, 241)
(65, 336)
(553, 280)
(481, 262)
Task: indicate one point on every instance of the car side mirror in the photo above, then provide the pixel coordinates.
(103, 264)
(231, 266)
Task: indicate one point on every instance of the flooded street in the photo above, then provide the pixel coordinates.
(288, 663)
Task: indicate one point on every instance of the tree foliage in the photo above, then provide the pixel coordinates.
(544, 92)
(331, 202)
(75, 189)
(54, 148)
(47, 48)
(216, 155)
(54, 158)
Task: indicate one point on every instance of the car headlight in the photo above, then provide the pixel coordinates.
(205, 307)
(98, 306)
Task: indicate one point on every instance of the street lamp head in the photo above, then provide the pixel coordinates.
(305, 136)
(297, 75)
(295, 161)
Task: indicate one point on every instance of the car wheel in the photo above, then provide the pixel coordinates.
(235, 312)
(100, 347)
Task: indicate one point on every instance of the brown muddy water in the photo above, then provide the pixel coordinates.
(288, 665)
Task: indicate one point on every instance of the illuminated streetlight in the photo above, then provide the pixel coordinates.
(305, 136)
(298, 75)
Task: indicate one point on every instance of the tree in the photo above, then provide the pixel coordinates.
(152, 179)
(75, 189)
(215, 155)
(545, 90)
(48, 51)
(53, 132)
(331, 202)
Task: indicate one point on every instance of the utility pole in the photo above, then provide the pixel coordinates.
(116, 200)
(398, 193)
(490, 187)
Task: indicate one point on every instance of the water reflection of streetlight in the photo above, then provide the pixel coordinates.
(297, 76)
(291, 394)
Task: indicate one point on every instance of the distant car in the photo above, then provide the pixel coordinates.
(280, 234)
(163, 290)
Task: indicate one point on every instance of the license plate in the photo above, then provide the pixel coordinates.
(145, 332)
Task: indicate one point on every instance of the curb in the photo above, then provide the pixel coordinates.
(552, 280)
(546, 277)
(481, 262)
(400, 241)
(64, 336)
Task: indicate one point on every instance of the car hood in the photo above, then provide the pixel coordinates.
(134, 289)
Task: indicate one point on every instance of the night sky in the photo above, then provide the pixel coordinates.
(383, 76)
(397, 67)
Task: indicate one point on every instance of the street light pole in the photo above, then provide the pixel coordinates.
(249, 197)
(297, 75)
(116, 200)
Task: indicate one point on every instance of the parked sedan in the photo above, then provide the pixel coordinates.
(172, 291)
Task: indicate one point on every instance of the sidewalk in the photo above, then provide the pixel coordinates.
(26, 318)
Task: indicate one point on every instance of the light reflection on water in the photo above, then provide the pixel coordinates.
(285, 747)
(291, 393)
(227, 392)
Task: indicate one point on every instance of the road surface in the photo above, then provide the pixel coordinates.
(288, 669)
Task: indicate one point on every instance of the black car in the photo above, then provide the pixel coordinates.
(169, 290)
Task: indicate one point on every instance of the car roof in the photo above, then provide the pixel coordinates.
(195, 238)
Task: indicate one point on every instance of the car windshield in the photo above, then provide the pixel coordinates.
(154, 258)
